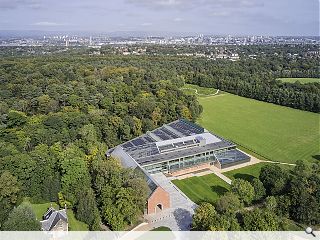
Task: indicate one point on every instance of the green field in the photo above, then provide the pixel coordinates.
(301, 80)
(74, 224)
(206, 188)
(250, 172)
(278, 133)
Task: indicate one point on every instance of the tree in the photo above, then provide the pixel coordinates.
(204, 217)
(86, 209)
(121, 193)
(22, 218)
(304, 195)
(283, 205)
(74, 172)
(229, 203)
(259, 220)
(9, 190)
(259, 189)
(244, 190)
(16, 118)
(270, 203)
(274, 179)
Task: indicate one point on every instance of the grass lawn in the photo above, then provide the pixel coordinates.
(74, 224)
(205, 188)
(301, 80)
(41, 208)
(250, 172)
(278, 133)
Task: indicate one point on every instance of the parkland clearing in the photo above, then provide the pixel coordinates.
(271, 131)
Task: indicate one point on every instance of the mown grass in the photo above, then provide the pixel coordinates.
(206, 188)
(250, 172)
(74, 224)
(301, 80)
(275, 132)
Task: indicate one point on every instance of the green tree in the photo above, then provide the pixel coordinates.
(270, 203)
(121, 193)
(9, 190)
(229, 203)
(22, 218)
(204, 217)
(259, 189)
(74, 172)
(260, 220)
(283, 205)
(244, 190)
(86, 209)
(16, 119)
(274, 179)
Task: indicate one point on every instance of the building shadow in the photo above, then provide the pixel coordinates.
(219, 190)
(244, 176)
(316, 157)
(183, 218)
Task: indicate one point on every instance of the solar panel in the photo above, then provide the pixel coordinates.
(127, 145)
(171, 134)
(186, 128)
(138, 142)
(149, 139)
(161, 135)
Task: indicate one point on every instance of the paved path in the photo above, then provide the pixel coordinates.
(199, 94)
(223, 177)
(179, 216)
(283, 163)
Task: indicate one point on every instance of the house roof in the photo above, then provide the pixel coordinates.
(52, 217)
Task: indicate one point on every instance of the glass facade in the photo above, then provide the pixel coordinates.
(181, 163)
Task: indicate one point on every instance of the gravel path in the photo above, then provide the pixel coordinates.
(202, 95)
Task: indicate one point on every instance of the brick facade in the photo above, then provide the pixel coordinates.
(159, 196)
(190, 169)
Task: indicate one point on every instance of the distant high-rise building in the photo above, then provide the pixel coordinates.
(90, 41)
(67, 42)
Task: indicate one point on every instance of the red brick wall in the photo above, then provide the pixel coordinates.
(191, 169)
(159, 196)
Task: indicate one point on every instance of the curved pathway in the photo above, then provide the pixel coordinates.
(199, 94)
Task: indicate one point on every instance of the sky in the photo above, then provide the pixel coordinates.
(221, 17)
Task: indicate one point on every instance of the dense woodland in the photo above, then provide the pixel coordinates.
(269, 203)
(60, 113)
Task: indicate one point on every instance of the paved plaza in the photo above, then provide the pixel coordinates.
(179, 216)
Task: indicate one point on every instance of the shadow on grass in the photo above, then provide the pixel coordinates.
(316, 157)
(219, 190)
(244, 176)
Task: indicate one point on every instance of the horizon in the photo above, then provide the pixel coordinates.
(136, 33)
(217, 17)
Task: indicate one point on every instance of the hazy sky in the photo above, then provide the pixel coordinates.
(261, 17)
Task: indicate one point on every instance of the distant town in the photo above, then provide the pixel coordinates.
(74, 40)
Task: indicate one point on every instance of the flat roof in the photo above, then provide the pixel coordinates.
(177, 139)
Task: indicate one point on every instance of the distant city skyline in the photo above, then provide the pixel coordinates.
(220, 17)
